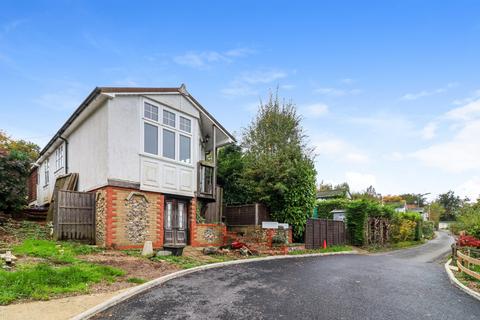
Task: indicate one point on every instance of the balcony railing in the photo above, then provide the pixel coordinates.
(206, 180)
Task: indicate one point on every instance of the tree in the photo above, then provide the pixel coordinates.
(16, 157)
(435, 211)
(451, 203)
(231, 175)
(369, 194)
(413, 198)
(279, 168)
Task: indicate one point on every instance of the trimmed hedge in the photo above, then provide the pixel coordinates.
(325, 207)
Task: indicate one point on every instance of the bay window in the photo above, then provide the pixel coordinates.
(172, 134)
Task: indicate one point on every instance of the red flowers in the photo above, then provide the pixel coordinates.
(468, 241)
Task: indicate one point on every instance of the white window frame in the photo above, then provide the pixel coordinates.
(59, 158)
(161, 126)
(46, 171)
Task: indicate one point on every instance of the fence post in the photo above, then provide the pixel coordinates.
(454, 253)
(256, 214)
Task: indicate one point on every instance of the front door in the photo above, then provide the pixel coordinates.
(175, 223)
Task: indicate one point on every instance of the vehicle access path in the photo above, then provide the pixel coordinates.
(406, 284)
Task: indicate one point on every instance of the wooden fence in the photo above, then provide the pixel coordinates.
(74, 216)
(465, 260)
(319, 230)
(245, 215)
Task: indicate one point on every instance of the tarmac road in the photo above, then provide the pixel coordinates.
(406, 284)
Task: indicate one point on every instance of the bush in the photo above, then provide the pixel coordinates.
(428, 229)
(325, 207)
(468, 221)
(406, 226)
(357, 215)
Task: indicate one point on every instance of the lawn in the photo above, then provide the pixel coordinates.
(326, 250)
(394, 246)
(55, 270)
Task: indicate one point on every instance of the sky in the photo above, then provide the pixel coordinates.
(389, 91)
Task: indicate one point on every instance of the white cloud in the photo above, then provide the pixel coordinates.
(427, 93)
(247, 83)
(475, 95)
(316, 110)
(205, 59)
(459, 154)
(335, 92)
(470, 188)
(347, 81)
(338, 149)
(467, 112)
(429, 131)
(360, 181)
(394, 156)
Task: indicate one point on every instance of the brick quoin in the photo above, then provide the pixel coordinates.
(193, 222)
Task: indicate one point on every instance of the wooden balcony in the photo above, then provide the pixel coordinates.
(206, 180)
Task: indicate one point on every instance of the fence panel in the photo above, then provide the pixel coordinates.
(319, 230)
(74, 216)
(244, 215)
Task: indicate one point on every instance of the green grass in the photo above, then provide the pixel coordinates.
(395, 246)
(41, 281)
(188, 262)
(136, 280)
(58, 252)
(327, 249)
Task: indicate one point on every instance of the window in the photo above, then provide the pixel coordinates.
(59, 158)
(150, 138)
(46, 171)
(150, 112)
(168, 144)
(169, 118)
(185, 125)
(181, 215)
(168, 216)
(185, 149)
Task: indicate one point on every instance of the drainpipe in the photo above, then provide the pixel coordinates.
(66, 153)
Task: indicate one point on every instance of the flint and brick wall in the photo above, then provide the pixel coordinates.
(210, 234)
(132, 217)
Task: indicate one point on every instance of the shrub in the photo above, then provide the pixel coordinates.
(468, 221)
(325, 207)
(428, 229)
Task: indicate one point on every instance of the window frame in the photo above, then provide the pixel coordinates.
(161, 126)
(59, 158)
(46, 173)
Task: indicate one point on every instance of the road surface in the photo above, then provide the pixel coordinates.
(407, 284)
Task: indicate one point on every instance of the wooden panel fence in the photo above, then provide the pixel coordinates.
(74, 216)
(319, 230)
(246, 215)
(465, 262)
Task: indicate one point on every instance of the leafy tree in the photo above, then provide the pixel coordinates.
(231, 175)
(435, 210)
(16, 157)
(451, 203)
(369, 194)
(279, 168)
(413, 198)
(329, 187)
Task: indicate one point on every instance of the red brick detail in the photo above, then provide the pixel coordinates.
(160, 231)
(109, 223)
(193, 222)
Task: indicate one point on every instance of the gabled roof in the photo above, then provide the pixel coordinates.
(105, 90)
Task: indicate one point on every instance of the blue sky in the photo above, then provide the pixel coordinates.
(389, 91)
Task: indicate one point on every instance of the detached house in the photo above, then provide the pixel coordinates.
(150, 156)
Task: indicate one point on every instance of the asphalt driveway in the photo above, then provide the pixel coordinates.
(408, 284)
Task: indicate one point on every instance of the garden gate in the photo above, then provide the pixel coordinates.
(74, 216)
(319, 230)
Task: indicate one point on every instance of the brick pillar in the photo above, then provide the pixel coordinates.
(111, 217)
(193, 222)
(160, 215)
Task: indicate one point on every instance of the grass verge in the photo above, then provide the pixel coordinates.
(394, 246)
(188, 262)
(327, 249)
(58, 273)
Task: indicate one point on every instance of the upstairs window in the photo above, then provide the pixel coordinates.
(185, 124)
(150, 112)
(168, 144)
(150, 138)
(59, 158)
(169, 118)
(185, 147)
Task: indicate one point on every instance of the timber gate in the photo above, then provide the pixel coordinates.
(74, 216)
